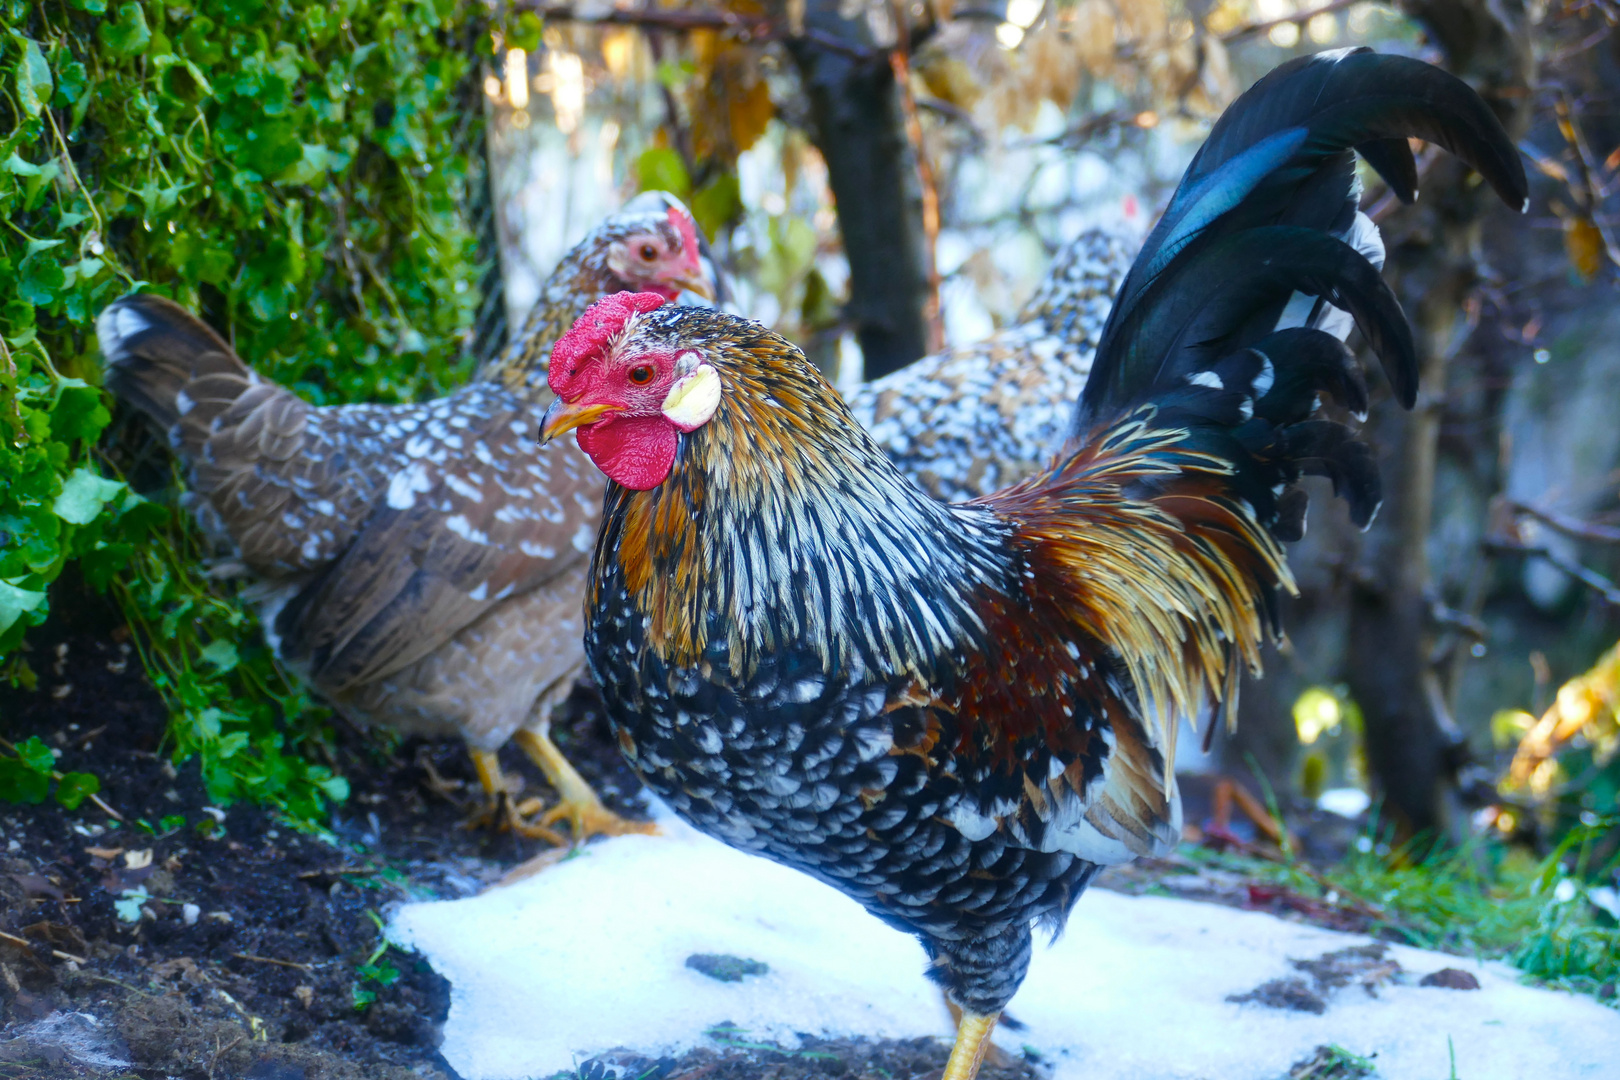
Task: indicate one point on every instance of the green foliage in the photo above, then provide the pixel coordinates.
(1486, 899)
(377, 972)
(28, 772)
(295, 172)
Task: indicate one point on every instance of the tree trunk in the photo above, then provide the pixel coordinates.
(1434, 253)
(858, 125)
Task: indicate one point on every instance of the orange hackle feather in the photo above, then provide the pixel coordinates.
(1172, 581)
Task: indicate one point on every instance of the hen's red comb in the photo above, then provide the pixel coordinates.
(591, 333)
(688, 229)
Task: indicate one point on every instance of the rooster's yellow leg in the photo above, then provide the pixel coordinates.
(499, 792)
(575, 800)
(972, 1042)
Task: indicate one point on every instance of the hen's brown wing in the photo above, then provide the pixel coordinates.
(472, 518)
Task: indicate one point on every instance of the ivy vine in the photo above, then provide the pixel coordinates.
(299, 174)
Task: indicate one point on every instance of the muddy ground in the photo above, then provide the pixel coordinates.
(217, 945)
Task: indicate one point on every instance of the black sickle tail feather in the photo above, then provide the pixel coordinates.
(168, 364)
(1265, 232)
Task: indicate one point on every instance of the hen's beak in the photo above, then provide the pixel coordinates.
(562, 417)
(697, 281)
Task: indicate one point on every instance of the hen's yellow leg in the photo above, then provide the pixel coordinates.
(972, 1043)
(499, 792)
(576, 801)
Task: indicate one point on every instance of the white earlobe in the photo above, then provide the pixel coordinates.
(693, 398)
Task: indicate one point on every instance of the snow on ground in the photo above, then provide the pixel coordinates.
(591, 955)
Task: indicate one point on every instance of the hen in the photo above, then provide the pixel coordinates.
(967, 421)
(415, 563)
(957, 713)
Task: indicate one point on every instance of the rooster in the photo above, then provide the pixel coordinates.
(414, 562)
(956, 714)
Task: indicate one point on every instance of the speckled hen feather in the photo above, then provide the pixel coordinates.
(418, 564)
(971, 420)
(957, 713)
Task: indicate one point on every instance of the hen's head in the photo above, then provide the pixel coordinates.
(635, 374)
(652, 245)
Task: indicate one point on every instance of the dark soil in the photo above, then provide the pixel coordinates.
(244, 959)
(734, 1058)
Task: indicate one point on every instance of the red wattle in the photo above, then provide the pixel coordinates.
(636, 452)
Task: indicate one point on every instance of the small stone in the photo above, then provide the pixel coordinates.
(724, 968)
(190, 913)
(1450, 979)
(1291, 994)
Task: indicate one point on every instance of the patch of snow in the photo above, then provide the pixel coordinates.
(79, 1036)
(591, 955)
(1347, 802)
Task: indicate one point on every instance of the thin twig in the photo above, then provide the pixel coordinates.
(109, 811)
(1572, 527)
(273, 960)
(1588, 577)
(1299, 18)
(746, 29)
(25, 943)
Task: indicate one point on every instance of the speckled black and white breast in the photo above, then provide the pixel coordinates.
(823, 773)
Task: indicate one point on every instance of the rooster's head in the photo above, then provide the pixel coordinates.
(630, 391)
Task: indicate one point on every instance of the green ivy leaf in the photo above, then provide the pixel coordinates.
(38, 279)
(75, 787)
(32, 77)
(661, 169)
(221, 654)
(524, 32)
(200, 42)
(33, 753)
(128, 35)
(71, 82)
(15, 602)
(17, 166)
(717, 203)
(83, 496)
(79, 413)
(20, 784)
(94, 7)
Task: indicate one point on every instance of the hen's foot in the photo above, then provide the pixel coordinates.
(501, 809)
(588, 817)
(577, 803)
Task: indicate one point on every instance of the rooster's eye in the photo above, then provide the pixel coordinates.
(642, 375)
(648, 252)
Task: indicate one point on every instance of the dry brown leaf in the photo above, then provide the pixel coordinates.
(1145, 20)
(1584, 245)
(1093, 29)
(750, 112)
(1054, 66)
(949, 79)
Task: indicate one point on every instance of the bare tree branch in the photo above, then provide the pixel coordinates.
(1572, 527)
(1299, 18)
(745, 28)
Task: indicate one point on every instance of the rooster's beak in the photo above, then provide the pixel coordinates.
(563, 417)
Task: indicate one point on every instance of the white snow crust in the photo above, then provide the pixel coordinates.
(590, 956)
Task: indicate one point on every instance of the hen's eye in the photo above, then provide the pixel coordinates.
(648, 252)
(642, 375)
